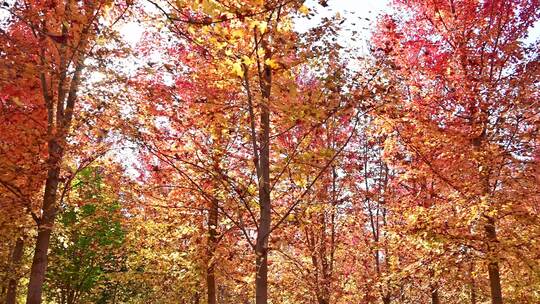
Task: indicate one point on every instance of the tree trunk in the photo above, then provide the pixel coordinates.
(196, 298)
(263, 233)
(59, 120)
(322, 300)
(386, 300)
(212, 239)
(39, 262)
(11, 297)
(433, 288)
(261, 247)
(489, 228)
(71, 297)
(435, 296)
(493, 264)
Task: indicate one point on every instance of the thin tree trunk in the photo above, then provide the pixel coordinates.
(57, 128)
(212, 239)
(322, 299)
(435, 295)
(39, 263)
(323, 296)
(493, 264)
(261, 247)
(433, 288)
(489, 229)
(492, 254)
(263, 233)
(71, 297)
(386, 300)
(11, 297)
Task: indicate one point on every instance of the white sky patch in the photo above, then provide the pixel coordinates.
(350, 9)
(131, 32)
(359, 18)
(96, 77)
(534, 33)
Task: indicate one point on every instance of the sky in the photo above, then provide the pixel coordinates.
(351, 9)
(355, 12)
(359, 15)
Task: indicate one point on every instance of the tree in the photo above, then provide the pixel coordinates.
(461, 132)
(248, 45)
(233, 156)
(21, 148)
(86, 246)
(52, 41)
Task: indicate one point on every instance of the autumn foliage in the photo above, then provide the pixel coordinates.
(229, 154)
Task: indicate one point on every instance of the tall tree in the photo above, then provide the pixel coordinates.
(53, 41)
(247, 48)
(464, 121)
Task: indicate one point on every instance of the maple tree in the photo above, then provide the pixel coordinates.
(253, 55)
(20, 171)
(461, 132)
(46, 48)
(229, 156)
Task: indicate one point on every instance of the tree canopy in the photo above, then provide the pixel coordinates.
(236, 151)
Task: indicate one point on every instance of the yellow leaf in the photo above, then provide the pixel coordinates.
(263, 25)
(237, 69)
(246, 60)
(107, 9)
(237, 33)
(304, 10)
(101, 41)
(253, 24)
(284, 26)
(271, 63)
(209, 7)
(17, 101)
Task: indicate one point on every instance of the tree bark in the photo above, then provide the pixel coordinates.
(263, 233)
(489, 227)
(493, 264)
(196, 298)
(435, 296)
(11, 296)
(39, 262)
(57, 129)
(212, 239)
(322, 300)
(261, 247)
